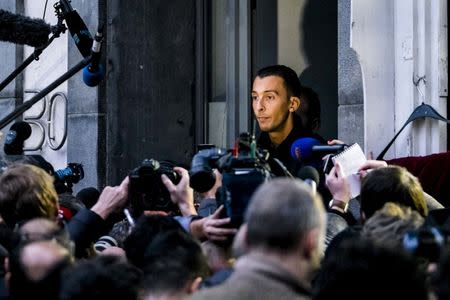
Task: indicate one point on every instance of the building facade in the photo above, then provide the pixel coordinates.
(179, 74)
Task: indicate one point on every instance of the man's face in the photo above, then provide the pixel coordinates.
(270, 103)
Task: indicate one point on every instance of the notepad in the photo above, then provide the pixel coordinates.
(351, 159)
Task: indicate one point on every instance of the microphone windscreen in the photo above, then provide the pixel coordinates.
(308, 172)
(93, 77)
(88, 196)
(23, 30)
(17, 134)
(301, 149)
(22, 129)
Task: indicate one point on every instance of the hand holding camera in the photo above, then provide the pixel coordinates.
(112, 199)
(213, 227)
(181, 194)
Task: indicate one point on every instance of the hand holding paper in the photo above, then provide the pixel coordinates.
(351, 160)
(338, 184)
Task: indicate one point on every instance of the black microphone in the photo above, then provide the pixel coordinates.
(310, 176)
(23, 30)
(18, 133)
(323, 150)
(94, 72)
(77, 28)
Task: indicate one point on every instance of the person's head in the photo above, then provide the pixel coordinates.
(147, 227)
(309, 109)
(391, 184)
(104, 277)
(276, 96)
(35, 269)
(389, 224)
(360, 269)
(41, 229)
(174, 266)
(285, 217)
(27, 192)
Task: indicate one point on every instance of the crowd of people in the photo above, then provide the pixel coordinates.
(294, 242)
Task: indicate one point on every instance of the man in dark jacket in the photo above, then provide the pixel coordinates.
(275, 98)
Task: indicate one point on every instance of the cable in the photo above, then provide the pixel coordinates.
(45, 9)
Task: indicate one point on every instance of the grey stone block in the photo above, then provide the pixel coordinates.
(82, 147)
(350, 84)
(8, 64)
(8, 55)
(82, 99)
(351, 124)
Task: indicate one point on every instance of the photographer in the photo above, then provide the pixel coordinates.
(209, 227)
(27, 192)
(87, 225)
(181, 194)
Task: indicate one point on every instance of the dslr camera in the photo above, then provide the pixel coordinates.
(429, 239)
(243, 169)
(426, 242)
(147, 191)
(67, 177)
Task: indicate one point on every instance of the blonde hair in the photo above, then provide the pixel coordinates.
(27, 192)
(389, 224)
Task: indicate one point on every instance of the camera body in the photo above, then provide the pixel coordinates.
(426, 242)
(201, 174)
(147, 191)
(429, 239)
(67, 177)
(243, 169)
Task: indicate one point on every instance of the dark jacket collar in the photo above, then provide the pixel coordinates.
(283, 150)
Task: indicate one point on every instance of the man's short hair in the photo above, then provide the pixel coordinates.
(391, 184)
(290, 78)
(27, 192)
(146, 229)
(281, 211)
(173, 260)
(104, 277)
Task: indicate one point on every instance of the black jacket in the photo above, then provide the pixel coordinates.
(283, 151)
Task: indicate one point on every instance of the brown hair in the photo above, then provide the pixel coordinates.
(26, 192)
(391, 184)
(389, 224)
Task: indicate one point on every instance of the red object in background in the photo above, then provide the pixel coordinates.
(65, 213)
(433, 172)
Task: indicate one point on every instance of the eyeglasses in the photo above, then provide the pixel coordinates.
(58, 233)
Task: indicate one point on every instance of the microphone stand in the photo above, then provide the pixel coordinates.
(58, 29)
(26, 105)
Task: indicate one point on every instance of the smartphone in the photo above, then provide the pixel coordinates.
(328, 165)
